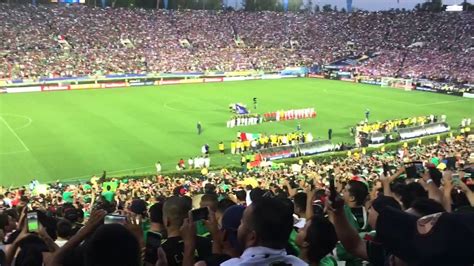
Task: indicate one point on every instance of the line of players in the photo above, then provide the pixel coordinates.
(244, 120)
(291, 114)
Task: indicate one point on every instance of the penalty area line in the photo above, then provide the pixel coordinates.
(15, 134)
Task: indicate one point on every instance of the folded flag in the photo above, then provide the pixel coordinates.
(241, 110)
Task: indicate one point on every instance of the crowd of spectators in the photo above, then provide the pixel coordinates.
(357, 209)
(51, 41)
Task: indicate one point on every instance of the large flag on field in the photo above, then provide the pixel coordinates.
(249, 136)
(241, 110)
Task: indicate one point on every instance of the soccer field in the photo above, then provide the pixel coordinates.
(74, 134)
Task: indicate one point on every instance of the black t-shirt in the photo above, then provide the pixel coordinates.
(174, 248)
(376, 253)
(358, 213)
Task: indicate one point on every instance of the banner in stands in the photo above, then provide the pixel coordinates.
(315, 147)
(371, 82)
(430, 89)
(187, 81)
(168, 82)
(23, 89)
(241, 73)
(347, 79)
(294, 71)
(425, 130)
(85, 86)
(275, 76)
(206, 80)
(275, 153)
(55, 88)
(133, 83)
(468, 95)
(425, 89)
(114, 85)
(316, 76)
(237, 78)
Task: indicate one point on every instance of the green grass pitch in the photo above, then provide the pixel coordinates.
(74, 134)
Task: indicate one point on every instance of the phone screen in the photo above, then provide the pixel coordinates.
(153, 242)
(414, 169)
(420, 169)
(456, 179)
(200, 214)
(386, 169)
(32, 220)
(332, 189)
(450, 163)
(115, 219)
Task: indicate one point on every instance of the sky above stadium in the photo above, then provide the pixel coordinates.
(372, 5)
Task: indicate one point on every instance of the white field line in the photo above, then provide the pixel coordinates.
(443, 102)
(14, 134)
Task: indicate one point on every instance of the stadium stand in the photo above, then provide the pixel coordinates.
(47, 41)
(410, 206)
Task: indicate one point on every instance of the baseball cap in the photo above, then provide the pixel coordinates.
(231, 222)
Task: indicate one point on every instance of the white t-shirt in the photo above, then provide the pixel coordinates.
(60, 242)
(263, 256)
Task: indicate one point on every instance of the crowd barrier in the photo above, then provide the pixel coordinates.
(301, 149)
(421, 131)
(118, 81)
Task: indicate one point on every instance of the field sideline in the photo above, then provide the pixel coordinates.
(75, 134)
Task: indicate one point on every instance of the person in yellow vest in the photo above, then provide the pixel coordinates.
(273, 140)
(405, 145)
(204, 171)
(238, 147)
(221, 147)
(247, 145)
(466, 131)
(349, 153)
(243, 160)
(382, 149)
(356, 156)
(364, 151)
(232, 147)
(261, 141)
(418, 142)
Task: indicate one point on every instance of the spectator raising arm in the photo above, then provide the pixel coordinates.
(346, 233)
(469, 194)
(188, 234)
(96, 219)
(433, 191)
(387, 180)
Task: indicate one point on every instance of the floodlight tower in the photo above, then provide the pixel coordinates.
(349, 6)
